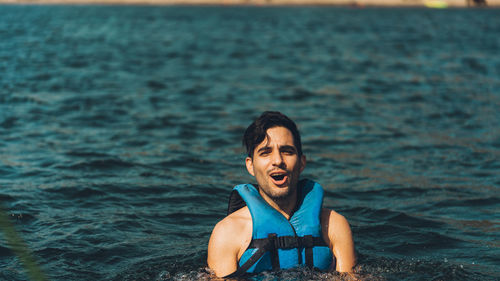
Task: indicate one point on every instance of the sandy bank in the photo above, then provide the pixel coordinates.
(359, 3)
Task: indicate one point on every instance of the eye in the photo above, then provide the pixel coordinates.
(264, 152)
(288, 151)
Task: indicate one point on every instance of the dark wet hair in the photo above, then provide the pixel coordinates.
(257, 131)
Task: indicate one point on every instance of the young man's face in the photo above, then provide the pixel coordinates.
(276, 164)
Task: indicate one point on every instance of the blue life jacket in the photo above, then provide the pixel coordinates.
(278, 243)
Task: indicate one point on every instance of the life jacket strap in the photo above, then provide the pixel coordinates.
(272, 243)
(289, 242)
(308, 245)
(273, 251)
(251, 261)
(263, 245)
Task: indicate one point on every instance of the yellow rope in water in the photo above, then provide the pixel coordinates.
(17, 245)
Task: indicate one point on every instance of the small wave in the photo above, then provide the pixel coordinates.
(6, 252)
(217, 142)
(474, 65)
(411, 243)
(166, 267)
(379, 271)
(6, 198)
(7, 171)
(77, 192)
(298, 94)
(100, 164)
(324, 141)
(87, 192)
(9, 122)
(20, 99)
(162, 122)
(476, 202)
(156, 85)
(299, 274)
(189, 218)
(22, 217)
(374, 214)
(404, 219)
(410, 269)
(197, 164)
(86, 154)
(387, 192)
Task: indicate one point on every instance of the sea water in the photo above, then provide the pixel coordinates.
(120, 133)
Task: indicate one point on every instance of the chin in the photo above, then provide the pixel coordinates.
(281, 194)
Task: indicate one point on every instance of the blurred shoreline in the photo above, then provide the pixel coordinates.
(351, 3)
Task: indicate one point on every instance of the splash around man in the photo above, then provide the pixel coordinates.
(279, 223)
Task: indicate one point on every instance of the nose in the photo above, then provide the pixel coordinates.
(277, 159)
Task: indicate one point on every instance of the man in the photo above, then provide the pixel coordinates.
(280, 223)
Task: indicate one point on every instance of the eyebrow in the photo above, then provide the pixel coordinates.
(264, 148)
(284, 147)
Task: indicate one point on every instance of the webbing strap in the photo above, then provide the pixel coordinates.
(273, 250)
(309, 244)
(272, 243)
(287, 242)
(251, 261)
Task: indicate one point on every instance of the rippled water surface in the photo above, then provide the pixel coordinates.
(120, 133)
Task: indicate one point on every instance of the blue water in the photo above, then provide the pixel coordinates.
(120, 133)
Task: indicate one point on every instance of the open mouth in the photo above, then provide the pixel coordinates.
(279, 178)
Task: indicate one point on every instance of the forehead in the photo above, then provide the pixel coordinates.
(277, 136)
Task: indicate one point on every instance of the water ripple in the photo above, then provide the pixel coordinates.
(120, 133)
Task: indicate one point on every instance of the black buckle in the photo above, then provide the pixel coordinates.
(308, 241)
(287, 242)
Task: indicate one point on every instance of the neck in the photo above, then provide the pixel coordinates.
(285, 205)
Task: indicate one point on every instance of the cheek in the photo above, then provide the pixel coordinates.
(260, 167)
(293, 163)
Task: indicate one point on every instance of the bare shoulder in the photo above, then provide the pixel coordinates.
(235, 223)
(230, 238)
(333, 221)
(240, 216)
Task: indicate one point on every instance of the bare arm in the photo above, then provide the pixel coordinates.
(222, 256)
(337, 233)
(228, 241)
